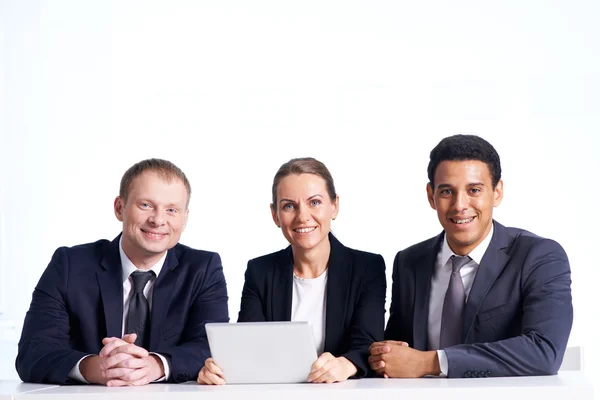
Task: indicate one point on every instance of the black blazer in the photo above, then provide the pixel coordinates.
(518, 315)
(355, 298)
(79, 301)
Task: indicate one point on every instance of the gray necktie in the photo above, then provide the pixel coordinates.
(138, 317)
(454, 304)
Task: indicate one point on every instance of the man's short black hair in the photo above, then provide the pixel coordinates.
(461, 148)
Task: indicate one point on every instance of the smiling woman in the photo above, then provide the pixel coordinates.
(341, 291)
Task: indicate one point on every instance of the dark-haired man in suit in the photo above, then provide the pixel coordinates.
(480, 299)
(131, 311)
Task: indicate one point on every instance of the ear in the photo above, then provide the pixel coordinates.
(430, 197)
(336, 207)
(185, 219)
(498, 193)
(119, 205)
(274, 215)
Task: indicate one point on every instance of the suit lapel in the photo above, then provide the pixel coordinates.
(162, 294)
(338, 284)
(110, 281)
(423, 275)
(281, 300)
(493, 262)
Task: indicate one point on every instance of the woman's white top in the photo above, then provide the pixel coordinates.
(309, 298)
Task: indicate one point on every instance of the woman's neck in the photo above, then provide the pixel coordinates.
(310, 264)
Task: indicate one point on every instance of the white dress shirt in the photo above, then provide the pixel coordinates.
(309, 301)
(127, 269)
(439, 285)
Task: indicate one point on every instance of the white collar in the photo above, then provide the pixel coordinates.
(128, 267)
(476, 254)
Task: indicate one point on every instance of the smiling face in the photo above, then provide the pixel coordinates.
(154, 215)
(464, 199)
(304, 211)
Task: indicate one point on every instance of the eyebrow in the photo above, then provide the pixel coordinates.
(447, 185)
(311, 197)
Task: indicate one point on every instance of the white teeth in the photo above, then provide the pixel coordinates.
(156, 235)
(305, 230)
(463, 221)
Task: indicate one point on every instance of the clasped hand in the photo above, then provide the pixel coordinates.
(395, 359)
(122, 363)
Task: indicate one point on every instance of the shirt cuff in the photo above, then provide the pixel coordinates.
(443, 359)
(166, 367)
(75, 373)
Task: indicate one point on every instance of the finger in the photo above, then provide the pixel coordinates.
(376, 344)
(112, 343)
(208, 378)
(135, 374)
(329, 376)
(202, 379)
(386, 376)
(144, 381)
(374, 359)
(323, 358)
(377, 366)
(214, 368)
(120, 382)
(397, 342)
(113, 361)
(318, 377)
(115, 373)
(321, 374)
(130, 337)
(375, 351)
(131, 349)
(132, 362)
(117, 383)
(107, 340)
(128, 378)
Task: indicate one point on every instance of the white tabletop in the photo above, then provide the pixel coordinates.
(567, 385)
(8, 389)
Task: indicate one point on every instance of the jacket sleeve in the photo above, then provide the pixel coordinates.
(368, 317)
(44, 353)
(396, 328)
(252, 305)
(209, 305)
(547, 316)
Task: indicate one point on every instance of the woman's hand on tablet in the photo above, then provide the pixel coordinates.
(211, 374)
(329, 369)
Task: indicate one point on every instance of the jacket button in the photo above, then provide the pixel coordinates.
(467, 374)
(481, 374)
(488, 374)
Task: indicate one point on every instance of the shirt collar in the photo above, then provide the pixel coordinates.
(476, 254)
(128, 267)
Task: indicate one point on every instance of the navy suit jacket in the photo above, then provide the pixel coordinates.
(517, 318)
(79, 301)
(354, 314)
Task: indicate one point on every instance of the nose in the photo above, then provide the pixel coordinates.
(303, 213)
(461, 202)
(157, 218)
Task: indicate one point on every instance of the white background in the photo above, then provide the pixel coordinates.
(229, 90)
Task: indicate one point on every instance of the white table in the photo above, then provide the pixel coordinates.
(567, 385)
(9, 389)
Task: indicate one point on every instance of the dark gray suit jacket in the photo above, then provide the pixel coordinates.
(517, 318)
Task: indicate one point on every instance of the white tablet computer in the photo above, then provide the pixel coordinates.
(263, 352)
